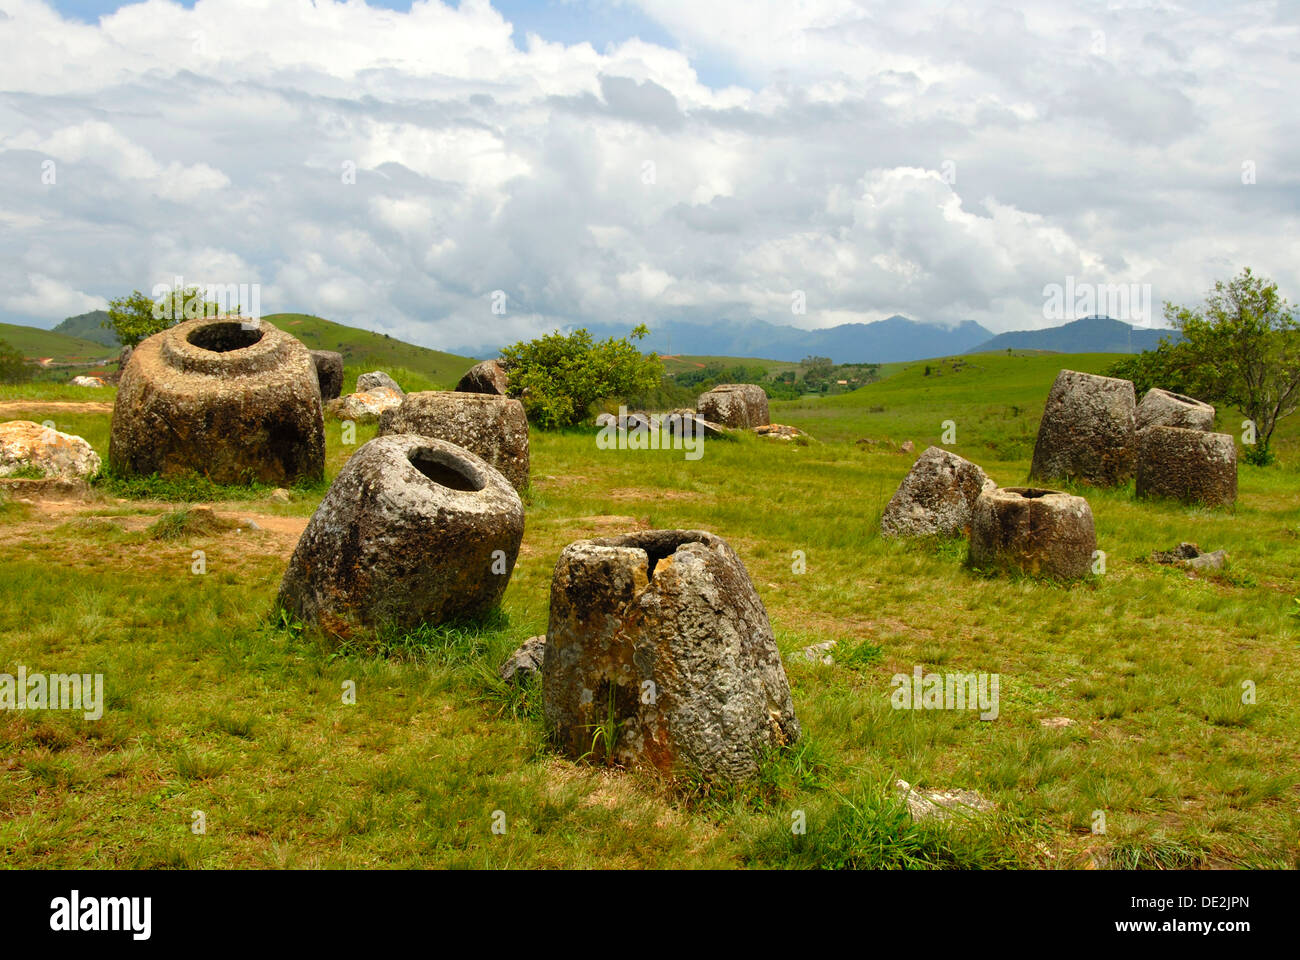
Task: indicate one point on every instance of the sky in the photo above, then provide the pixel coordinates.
(462, 175)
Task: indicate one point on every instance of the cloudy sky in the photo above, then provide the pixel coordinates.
(393, 165)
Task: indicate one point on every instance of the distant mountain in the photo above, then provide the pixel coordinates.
(886, 341)
(1088, 335)
(88, 326)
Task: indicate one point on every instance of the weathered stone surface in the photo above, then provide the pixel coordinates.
(93, 382)
(1043, 533)
(365, 407)
(662, 633)
(1179, 554)
(1189, 555)
(486, 377)
(907, 446)
(742, 405)
(1208, 561)
(782, 431)
(690, 424)
(1087, 431)
(231, 398)
(493, 427)
(329, 372)
(936, 497)
(1160, 408)
(525, 662)
(123, 358)
(25, 446)
(819, 652)
(376, 379)
(49, 488)
(413, 530)
(940, 804)
(1187, 465)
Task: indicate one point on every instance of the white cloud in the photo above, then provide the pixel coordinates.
(47, 299)
(938, 160)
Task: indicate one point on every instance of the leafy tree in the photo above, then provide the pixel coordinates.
(136, 317)
(559, 377)
(1241, 348)
(12, 367)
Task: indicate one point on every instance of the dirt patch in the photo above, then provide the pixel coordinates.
(10, 407)
(566, 481)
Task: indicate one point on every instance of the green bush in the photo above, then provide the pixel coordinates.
(558, 377)
(12, 367)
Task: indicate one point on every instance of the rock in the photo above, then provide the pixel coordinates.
(233, 399)
(1191, 466)
(525, 662)
(376, 379)
(486, 377)
(1189, 555)
(741, 405)
(1160, 408)
(248, 523)
(907, 446)
(493, 427)
(49, 488)
(819, 652)
(660, 635)
(280, 495)
(27, 447)
(413, 530)
(1055, 723)
(936, 497)
(95, 382)
(365, 407)
(691, 424)
(329, 372)
(1184, 551)
(781, 431)
(940, 804)
(122, 358)
(1087, 431)
(1208, 561)
(1043, 533)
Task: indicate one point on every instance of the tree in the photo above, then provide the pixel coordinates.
(13, 369)
(559, 377)
(1241, 348)
(135, 317)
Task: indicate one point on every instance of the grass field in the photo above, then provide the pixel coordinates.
(215, 705)
(34, 342)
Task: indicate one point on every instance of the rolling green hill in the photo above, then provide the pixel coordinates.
(361, 348)
(995, 401)
(89, 326)
(35, 342)
(681, 364)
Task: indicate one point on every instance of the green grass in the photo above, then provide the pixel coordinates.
(215, 704)
(35, 342)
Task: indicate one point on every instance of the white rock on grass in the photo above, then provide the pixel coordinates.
(24, 445)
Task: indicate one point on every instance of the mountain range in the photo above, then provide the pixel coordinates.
(894, 339)
(1087, 335)
(887, 341)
